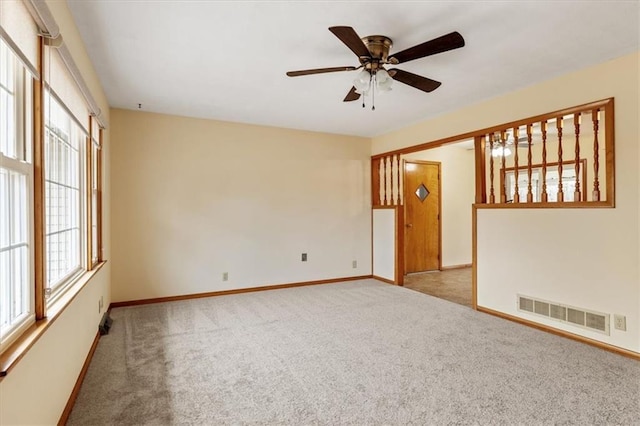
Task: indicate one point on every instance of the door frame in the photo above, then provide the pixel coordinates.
(404, 195)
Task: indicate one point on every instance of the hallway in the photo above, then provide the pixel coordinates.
(453, 285)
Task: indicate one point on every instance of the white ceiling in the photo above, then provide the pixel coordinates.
(227, 60)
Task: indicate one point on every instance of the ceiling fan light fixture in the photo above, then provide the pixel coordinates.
(362, 81)
(499, 151)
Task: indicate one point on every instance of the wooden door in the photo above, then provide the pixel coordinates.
(422, 216)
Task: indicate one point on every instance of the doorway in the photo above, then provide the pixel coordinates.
(423, 231)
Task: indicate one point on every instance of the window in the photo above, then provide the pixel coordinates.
(16, 211)
(64, 197)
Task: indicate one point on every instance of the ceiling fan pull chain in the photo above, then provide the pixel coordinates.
(374, 82)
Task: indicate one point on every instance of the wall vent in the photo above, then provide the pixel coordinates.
(580, 317)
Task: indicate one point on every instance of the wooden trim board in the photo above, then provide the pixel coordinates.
(384, 280)
(562, 333)
(76, 388)
(235, 291)
(451, 267)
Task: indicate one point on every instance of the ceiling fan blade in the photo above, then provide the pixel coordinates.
(351, 96)
(349, 37)
(438, 45)
(319, 71)
(414, 80)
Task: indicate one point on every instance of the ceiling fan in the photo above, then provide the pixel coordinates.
(373, 54)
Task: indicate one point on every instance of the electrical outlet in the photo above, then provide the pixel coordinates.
(304, 257)
(620, 322)
(225, 276)
(354, 264)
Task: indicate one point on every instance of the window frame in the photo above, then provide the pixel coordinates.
(54, 291)
(94, 155)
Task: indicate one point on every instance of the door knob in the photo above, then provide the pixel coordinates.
(409, 225)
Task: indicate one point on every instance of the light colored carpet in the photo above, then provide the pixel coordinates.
(360, 352)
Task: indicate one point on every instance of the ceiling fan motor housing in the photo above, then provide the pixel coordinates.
(379, 47)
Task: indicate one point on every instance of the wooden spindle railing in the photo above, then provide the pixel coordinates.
(529, 169)
(559, 127)
(576, 123)
(543, 160)
(596, 149)
(386, 180)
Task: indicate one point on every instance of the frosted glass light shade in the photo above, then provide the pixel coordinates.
(500, 151)
(362, 81)
(383, 80)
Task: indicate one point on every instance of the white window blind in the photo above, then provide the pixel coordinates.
(20, 32)
(65, 88)
(95, 130)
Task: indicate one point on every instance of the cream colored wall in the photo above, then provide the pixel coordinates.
(36, 391)
(197, 198)
(458, 194)
(582, 257)
(383, 244)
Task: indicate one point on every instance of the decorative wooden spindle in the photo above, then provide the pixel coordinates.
(392, 179)
(388, 186)
(492, 196)
(529, 170)
(503, 189)
(516, 193)
(397, 162)
(399, 180)
(560, 191)
(384, 181)
(576, 123)
(544, 197)
(400, 183)
(596, 181)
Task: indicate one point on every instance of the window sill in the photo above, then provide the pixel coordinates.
(14, 353)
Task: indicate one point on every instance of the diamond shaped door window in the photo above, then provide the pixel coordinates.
(422, 192)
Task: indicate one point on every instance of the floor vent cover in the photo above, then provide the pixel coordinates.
(568, 314)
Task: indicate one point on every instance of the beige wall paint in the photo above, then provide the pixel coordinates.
(197, 198)
(582, 257)
(458, 194)
(37, 389)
